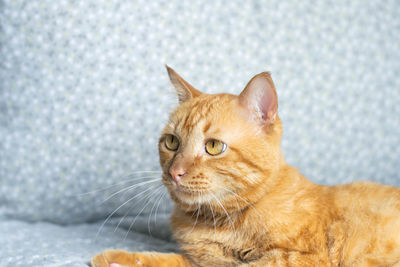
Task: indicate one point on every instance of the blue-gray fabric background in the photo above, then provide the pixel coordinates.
(84, 95)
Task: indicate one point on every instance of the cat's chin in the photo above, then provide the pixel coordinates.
(188, 198)
(181, 194)
(188, 195)
(192, 197)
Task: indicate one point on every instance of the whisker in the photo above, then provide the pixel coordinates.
(144, 172)
(151, 212)
(116, 184)
(112, 213)
(244, 200)
(130, 188)
(158, 205)
(237, 205)
(147, 203)
(197, 216)
(131, 208)
(229, 217)
(158, 178)
(193, 213)
(212, 212)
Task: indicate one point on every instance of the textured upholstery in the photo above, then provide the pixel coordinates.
(84, 93)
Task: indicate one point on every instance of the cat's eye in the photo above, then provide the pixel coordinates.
(171, 142)
(215, 147)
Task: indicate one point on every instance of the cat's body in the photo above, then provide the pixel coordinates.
(284, 236)
(239, 204)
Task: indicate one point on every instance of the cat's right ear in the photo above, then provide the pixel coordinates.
(260, 98)
(183, 88)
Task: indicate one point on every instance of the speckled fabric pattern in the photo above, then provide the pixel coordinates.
(84, 94)
(46, 244)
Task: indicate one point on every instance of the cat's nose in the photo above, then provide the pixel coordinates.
(177, 173)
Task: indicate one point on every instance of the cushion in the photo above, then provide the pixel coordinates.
(84, 93)
(47, 244)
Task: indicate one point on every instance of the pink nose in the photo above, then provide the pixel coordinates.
(177, 173)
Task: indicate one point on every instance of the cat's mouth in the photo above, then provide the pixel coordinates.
(187, 191)
(188, 194)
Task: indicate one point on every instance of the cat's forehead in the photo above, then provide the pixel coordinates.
(203, 114)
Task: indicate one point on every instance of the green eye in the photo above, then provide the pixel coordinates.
(215, 147)
(171, 142)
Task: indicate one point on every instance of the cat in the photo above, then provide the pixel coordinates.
(237, 202)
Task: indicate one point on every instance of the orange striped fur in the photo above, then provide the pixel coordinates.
(247, 207)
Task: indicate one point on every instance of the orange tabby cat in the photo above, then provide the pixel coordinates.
(239, 204)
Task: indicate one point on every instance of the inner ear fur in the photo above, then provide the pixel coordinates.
(259, 98)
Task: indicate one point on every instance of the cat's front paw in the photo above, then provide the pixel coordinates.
(119, 258)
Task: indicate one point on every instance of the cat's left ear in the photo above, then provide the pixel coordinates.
(260, 98)
(183, 88)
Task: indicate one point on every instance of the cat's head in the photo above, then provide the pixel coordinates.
(222, 149)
